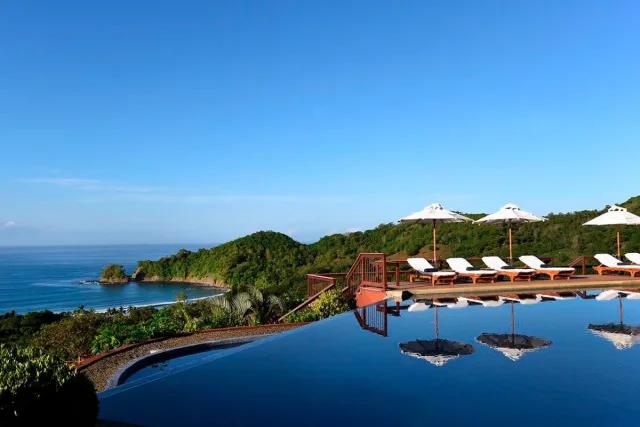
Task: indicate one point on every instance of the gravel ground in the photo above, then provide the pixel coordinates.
(100, 372)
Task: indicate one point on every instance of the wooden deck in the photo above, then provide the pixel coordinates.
(404, 290)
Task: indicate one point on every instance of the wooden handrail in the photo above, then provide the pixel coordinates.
(317, 284)
(369, 269)
(581, 262)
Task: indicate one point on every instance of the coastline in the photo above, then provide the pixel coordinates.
(162, 304)
(187, 281)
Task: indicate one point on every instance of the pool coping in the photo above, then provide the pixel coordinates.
(134, 365)
(85, 363)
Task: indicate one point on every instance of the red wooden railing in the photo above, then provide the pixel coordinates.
(583, 263)
(317, 283)
(370, 270)
(373, 318)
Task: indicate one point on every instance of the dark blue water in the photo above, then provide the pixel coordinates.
(334, 373)
(180, 362)
(55, 278)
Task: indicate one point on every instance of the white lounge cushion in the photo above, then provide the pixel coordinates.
(496, 263)
(634, 257)
(423, 266)
(417, 306)
(607, 295)
(612, 262)
(523, 300)
(484, 302)
(537, 264)
(461, 265)
(459, 303)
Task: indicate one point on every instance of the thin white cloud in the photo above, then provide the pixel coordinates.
(88, 185)
(106, 191)
(210, 199)
(9, 224)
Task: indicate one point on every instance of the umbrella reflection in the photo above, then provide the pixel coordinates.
(438, 351)
(513, 346)
(622, 336)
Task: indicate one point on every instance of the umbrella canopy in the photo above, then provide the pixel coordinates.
(509, 214)
(437, 352)
(620, 335)
(615, 215)
(514, 346)
(434, 213)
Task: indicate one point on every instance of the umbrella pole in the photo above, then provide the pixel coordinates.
(436, 324)
(513, 323)
(618, 237)
(435, 256)
(510, 245)
(620, 308)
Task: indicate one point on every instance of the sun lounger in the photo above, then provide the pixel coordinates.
(611, 264)
(607, 295)
(450, 302)
(418, 306)
(542, 269)
(467, 271)
(424, 270)
(557, 295)
(522, 298)
(504, 270)
(485, 301)
(634, 257)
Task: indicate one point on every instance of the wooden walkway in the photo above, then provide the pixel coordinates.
(405, 290)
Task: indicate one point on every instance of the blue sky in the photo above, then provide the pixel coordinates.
(167, 121)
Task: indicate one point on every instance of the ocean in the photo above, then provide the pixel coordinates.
(62, 278)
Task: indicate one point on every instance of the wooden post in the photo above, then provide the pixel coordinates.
(620, 307)
(510, 248)
(435, 257)
(513, 321)
(397, 273)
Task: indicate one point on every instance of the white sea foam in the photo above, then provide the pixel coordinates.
(162, 304)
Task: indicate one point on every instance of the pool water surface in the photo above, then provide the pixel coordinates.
(555, 362)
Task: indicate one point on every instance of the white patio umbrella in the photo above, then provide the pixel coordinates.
(615, 215)
(509, 214)
(621, 335)
(438, 351)
(435, 213)
(513, 345)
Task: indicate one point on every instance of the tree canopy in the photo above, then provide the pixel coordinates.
(274, 261)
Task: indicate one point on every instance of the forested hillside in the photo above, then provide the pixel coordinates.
(274, 261)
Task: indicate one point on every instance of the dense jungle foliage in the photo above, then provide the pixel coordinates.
(275, 262)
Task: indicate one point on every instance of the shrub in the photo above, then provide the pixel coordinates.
(40, 389)
(123, 330)
(306, 315)
(71, 337)
(19, 328)
(329, 304)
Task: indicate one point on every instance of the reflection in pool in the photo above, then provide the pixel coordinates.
(568, 361)
(166, 365)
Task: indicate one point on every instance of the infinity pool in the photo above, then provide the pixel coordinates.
(557, 362)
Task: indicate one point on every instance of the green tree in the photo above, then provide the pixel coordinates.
(38, 389)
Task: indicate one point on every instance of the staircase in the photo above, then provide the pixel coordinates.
(366, 279)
